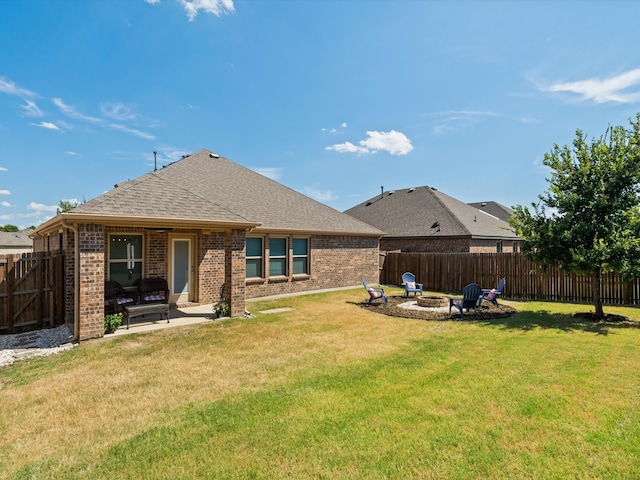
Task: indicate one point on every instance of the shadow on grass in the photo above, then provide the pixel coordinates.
(527, 320)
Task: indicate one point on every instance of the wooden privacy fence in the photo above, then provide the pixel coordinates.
(31, 291)
(450, 272)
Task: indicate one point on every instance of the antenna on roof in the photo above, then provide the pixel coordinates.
(155, 165)
(382, 192)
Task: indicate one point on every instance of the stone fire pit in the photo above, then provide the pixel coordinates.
(432, 302)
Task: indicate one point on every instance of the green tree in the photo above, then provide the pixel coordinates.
(66, 205)
(9, 228)
(588, 221)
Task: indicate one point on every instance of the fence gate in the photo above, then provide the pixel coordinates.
(31, 291)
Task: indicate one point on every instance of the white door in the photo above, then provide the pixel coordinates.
(182, 270)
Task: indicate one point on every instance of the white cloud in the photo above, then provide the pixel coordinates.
(215, 7)
(320, 195)
(343, 125)
(11, 88)
(47, 125)
(5, 203)
(152, 2)
(71, 153)
(31, 109)
(132, 131)
(348, 147)
(450, 120)
(396, 143)
(117, 111)
(612, 89)
(42, 208)
(5, 192)
(3, 169)
(72, 112)
(270, 172)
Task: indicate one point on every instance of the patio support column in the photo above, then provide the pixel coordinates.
(235, 271)
(90, 288)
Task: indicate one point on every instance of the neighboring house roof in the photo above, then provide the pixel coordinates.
(206, 189)
(494, 208)
(13, 240)
(411, 212)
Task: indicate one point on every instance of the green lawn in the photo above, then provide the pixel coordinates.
(331, 390)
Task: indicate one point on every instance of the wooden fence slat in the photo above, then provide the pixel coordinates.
(450, 272)
(31, 291)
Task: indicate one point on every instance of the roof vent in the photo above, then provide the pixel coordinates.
(483, 204)
(368, 203)
(391, 192)
(411, 190)
(214, 155)
(434, 188)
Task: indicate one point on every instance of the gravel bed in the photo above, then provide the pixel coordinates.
(34, 344)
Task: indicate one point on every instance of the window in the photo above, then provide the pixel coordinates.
(125, 259)
(499, 246)
(277, 257)
(300, 256)
(254, 257)
(515, 247)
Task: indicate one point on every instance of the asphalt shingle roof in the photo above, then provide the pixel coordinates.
(495, 209)
(206, 186)
(16, 239)
(411, 212)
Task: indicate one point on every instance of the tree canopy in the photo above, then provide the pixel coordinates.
(588, 221)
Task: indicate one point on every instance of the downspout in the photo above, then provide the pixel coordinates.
(76, 280)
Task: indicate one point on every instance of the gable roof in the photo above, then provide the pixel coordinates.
(19, 239)
(411, 212)
(208, 190)
(494, 208)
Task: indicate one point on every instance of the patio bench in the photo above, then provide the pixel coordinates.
(132, 311)
(154, 298)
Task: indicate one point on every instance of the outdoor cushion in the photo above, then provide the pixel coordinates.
(373, 293)
(492, 294)
(411, 285)
(153, 298)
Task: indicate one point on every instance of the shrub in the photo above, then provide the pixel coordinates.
(221, 309)
(112, 322)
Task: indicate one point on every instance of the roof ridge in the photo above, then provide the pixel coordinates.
(436, 195)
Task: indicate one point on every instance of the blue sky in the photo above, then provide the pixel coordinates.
(331, 98)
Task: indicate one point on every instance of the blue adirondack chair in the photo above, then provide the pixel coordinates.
(374, 293)
(471, 298)
(493, 294)
(410, 285)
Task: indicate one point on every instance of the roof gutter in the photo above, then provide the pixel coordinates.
(135, 221)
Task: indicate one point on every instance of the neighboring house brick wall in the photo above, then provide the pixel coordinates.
(426, 245)
(334, 261)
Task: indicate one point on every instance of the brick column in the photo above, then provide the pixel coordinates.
(235, 271)
(91, 288)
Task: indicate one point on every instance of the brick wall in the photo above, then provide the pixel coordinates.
(235, 286)
(334, 261)
(211, 267)
(91, 267)
(426, 245)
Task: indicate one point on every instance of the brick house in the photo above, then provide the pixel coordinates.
(212, 228)
(16, 242)
(422, 219)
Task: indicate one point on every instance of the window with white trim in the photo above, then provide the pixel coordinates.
(254, 257)
(125, 258)
(277, 257)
